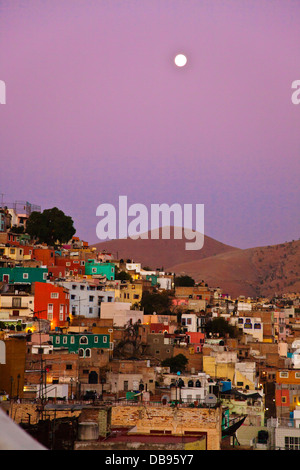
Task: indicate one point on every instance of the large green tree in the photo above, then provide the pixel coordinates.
(50, 226)
(184, 281)
(176, 363)
(222, 327)
(158, 302)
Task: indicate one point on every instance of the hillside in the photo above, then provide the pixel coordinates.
(159, 253)
(261, 271)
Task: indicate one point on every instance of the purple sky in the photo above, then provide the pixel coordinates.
(96, 108)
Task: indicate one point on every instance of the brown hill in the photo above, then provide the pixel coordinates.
(261, 271)
(160, 253)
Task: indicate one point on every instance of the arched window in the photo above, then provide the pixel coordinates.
(81, 352)
(87, 352)
(83, 340)
(93, 377)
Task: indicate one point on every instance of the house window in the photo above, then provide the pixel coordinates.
(72, 340)
(57, 340)
(87, 352)
(83, 340)
(94, 270)
(25, 276)
(104, 339)
(44, 276)
(283, 375)
(90, 310)
(50, 308)
(16, 302)
(292, 443)
(96, 339)
(65, 340)
(68, 263)
(68, 366)
(61, 308)
(91, 298)
(54, 295)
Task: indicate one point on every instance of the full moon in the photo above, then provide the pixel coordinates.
(180, 60)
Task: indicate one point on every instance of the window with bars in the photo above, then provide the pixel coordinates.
(291, 443)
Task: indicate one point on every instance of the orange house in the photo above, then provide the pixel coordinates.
(46, 255)
(52, 303)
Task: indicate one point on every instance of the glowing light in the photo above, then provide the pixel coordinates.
(180, 60)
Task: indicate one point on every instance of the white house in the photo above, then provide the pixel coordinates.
(120, 313)
(86, 298)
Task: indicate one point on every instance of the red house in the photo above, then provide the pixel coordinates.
(197, 340)
(46, 255)
(51, 302)
(75, 267)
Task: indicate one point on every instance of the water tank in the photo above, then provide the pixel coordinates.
(88, 431)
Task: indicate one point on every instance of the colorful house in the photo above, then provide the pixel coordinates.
(96, 268)
(51, 303)
(81, 343)
(23, 275)
(72, 266)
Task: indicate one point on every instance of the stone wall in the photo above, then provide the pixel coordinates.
(178, 420)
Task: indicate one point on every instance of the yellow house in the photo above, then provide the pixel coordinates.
(13, 252)
(213, 366)
(129, 293)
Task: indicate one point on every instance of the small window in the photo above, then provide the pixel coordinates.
(68, 366)
(54, 295)
(284, 375)
(25, 276)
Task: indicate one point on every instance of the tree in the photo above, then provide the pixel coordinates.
(222, 327)
(184, 281)
(156, 302)
(176, 363)
(50, 226)
(122, 275)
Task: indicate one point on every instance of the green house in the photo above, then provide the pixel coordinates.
(96, 268)
(23, 275)
(80, 343)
